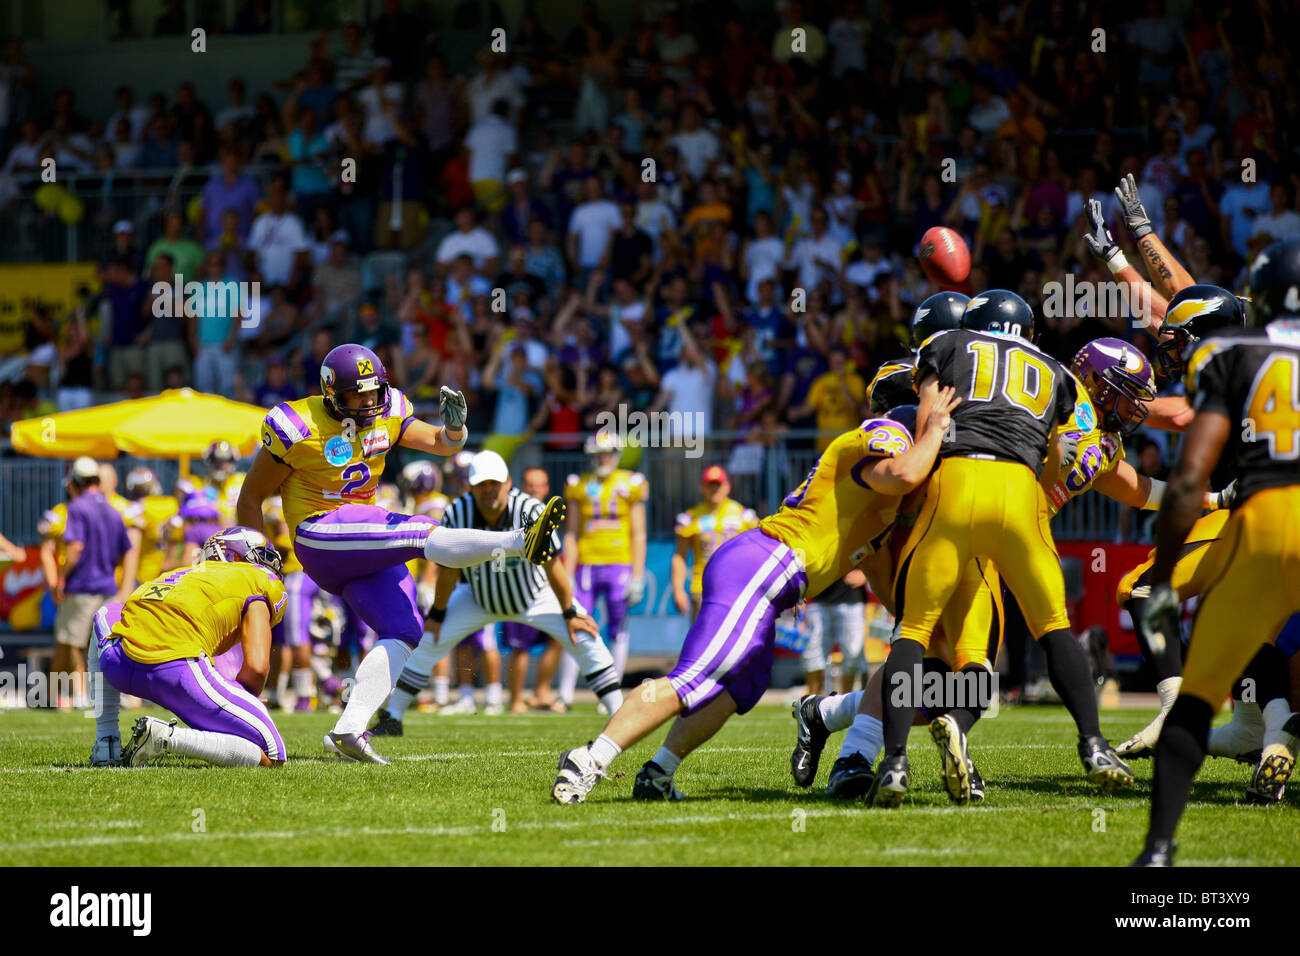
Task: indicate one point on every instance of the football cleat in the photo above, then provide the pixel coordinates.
(387, 725)
(956, 763)
(463, 707)
(976, 783)
(538, 544)
(150, 738)
(578, 776)
(654, 783)
(1271, 774)
(1157, 853)
(890, 785)
(1238, 740)
(811, 740)
(1103, 765)
(355, 747)
(851, 777)
(107, 752)
(1143, 743)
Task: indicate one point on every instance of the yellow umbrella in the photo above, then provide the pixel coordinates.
(179, 423)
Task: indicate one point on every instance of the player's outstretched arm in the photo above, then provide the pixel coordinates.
(1167, 273)
(262, 481)
(1150, 304)
(898, 476)
(1169, 413)
(445, 439)
(1130, 487)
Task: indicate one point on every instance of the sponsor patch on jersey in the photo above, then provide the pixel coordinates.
(1087, 418)
(374, 441)
(593, 489)
(338, 450)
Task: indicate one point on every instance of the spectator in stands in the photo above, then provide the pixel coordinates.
(214, 334)
(590, 228)
(492, 146)
(231, 189)
(166, 334)
(469, 239)
(276, 235)
(185, 253)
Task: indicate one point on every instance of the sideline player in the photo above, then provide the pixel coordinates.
(160, 645)
(827, 525)
(325, 455)
(1248, 375)
(605, 545)
(701, 530)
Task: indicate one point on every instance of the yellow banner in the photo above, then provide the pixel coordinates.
(25, 287)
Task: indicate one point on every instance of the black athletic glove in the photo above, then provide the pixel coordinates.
(1135, 215)
(1100, 240)
(452, 408)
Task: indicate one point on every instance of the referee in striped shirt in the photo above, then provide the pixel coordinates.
(502, 589)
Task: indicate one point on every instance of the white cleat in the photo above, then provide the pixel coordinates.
(463, 707)
(1238, 740)
(107, 752)
(150, 738)
(578, 776)
(1143, 743)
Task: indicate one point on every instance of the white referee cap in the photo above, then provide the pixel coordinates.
(488, 466)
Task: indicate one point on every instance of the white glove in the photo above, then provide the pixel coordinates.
(1161, 616)
(635, 591)
(452, 408)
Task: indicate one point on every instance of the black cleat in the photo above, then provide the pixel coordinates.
(386, 726)
(653, 783)
(890, 786)
(538, 544)
(1158, 853)
(1103, 765)
(811, 740)
(851, 777)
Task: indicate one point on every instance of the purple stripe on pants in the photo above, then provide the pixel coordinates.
(748, 582)
(193, 690)
(367, 567)
(593, 581)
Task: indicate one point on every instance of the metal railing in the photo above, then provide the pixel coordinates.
(760, 478)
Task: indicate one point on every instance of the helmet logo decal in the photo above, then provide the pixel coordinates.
(365, 367)
(1189, 309)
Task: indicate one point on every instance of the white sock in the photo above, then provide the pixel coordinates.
(619, 650)
(467, 692)
(603, 751)
(462, 547)
(105, 699)
(376, 678)
(304, 682)
(612, 700)
(568, 676)
(398, 701)
(281, 684)
(492, 694)
(838, 710)
(415, 675)
(441, 691)
(668, 760)
(1168, 691)
(866, 736)
(225, 750)
(1276, 713)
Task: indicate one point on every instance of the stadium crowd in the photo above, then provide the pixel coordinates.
(702, 212)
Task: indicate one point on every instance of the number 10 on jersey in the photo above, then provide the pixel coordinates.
(1026, 381)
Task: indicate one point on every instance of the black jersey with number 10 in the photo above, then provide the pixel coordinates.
(1012, 395)
(1253, 377)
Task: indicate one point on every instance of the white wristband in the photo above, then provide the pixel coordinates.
(456, 444)
(1155, 496)
(1116, 261)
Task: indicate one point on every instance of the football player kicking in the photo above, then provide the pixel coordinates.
(1233, 377)
(324, 455)
(160, 644)
(985, 500)
(825, 527)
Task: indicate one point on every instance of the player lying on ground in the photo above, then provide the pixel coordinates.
(1232, 377)
(825, 527)
(160, 645)
(324, 456)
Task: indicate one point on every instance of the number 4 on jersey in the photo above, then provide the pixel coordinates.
(1273, 408)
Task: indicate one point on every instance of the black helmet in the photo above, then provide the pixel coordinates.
(941, 311)
(1001, 311)
(1275, 282)
(905, 415)
(1193, 313)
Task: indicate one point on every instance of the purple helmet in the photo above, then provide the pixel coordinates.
(221, 459)
(140, 483)
(1119, 380)
(242, 544)
(198, 507)
(353, 368)
(420, 478)
(455, 472)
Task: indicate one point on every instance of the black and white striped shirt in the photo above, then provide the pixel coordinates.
(507, 590)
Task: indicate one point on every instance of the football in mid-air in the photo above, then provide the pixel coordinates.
(944, 256)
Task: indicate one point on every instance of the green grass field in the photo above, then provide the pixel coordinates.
(475, 790)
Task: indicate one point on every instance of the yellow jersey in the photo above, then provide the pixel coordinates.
(195, 612)
(705, 528)
(1099, 452)
(603, 509)
(837, 404)
(834, 519)
(154, 512)
(329, 468)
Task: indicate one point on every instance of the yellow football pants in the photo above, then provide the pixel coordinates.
(976, 508)
(1189, 577)
(1252, 585)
